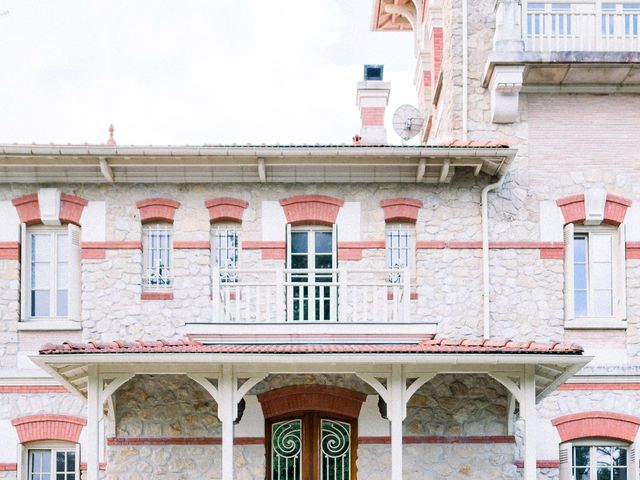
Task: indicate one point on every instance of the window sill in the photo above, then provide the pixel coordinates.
(51, 324)
(596, 324)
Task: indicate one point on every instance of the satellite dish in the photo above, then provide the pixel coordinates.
(407, 121)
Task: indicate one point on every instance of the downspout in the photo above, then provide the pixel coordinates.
(486, 285)
(465, 70)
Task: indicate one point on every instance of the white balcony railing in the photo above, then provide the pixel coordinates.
(303, 295)
(581, 26)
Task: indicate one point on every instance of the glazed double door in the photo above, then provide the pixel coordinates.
(311, 447)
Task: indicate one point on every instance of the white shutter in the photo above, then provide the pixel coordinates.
(75, 273)
(632, 463)
(565, 456)
(287, 241)
(620, 276)
(78, 460)
(24, 273)
(334, 245)
(569, 301)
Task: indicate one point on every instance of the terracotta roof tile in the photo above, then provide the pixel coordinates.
(435, 346)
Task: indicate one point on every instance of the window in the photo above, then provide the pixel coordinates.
(158, 247)
(51, 272)
(596, 459)
(399, 249)
(45, 460)
(225, 246)
(595, 272)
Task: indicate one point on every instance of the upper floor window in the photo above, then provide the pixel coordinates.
(49, 464)
(399, 249)
(595, 459)
(225, 247)
(595, 272)
(51, 272)
(157, 253)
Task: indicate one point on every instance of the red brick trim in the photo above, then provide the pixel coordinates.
(372, 116)
(97, 250)
(633, 250)
(71, 208)
(311, 209)
(191, 245)
(156, 296)
(540, 464)
(597, 424)
(7, 389)
(120, 441)
(269, 250)
(157, 210)
(225, 209)
(401, 209)
(321, 398)
(599, 386)
(573, 209)
(48, 427)
(353, 250)
(8, 467)
(9, 251)
(412, 296)
(28, 209)
(431, 439)
(102, 466)
(430, 245)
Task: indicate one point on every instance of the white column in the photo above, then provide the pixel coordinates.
(396, 411)
(93, 417)
(225, 413)
(530, 421)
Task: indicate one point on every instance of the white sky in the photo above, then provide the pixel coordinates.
(192, 71)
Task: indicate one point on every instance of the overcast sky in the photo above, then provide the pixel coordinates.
(191, 71)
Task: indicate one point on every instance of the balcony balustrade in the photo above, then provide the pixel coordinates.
(585, 26)
(311, 296)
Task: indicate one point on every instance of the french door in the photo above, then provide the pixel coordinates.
(311, 274)
(311, 446)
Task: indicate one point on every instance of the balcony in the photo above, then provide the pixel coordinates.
(578, 46)
(286, 304)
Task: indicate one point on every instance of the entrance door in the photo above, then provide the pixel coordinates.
(311, 446)
(311, 274)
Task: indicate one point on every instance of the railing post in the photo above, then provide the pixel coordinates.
(216, 311)
(406, 294)
(280, 300)
(342, 295)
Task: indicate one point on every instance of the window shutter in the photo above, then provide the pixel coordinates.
(565, 456)
(75, 273)
(77, 460)
(621, 275)
(334, 245)
(24, 273)
(632, 463)
(569, 301)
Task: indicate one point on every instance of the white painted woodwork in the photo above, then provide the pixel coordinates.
(93, 417)
(49, 204)
(10, 231)
(348, 222)
(529, 413)
(94, 222)
(273, 222)
(569, 305)
(551, 222)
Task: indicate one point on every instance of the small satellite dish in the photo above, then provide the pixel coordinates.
(407, 121)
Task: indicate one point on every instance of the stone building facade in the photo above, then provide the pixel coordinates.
(367, 311)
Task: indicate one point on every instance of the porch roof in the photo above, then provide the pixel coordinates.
(71, 363)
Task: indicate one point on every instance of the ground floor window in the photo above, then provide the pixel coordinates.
(311, 446)
(599, 462)
(52, 464)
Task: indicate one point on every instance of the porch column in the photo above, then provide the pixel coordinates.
(396, 416)
(528, 408)
(93, 417)
(225, 413)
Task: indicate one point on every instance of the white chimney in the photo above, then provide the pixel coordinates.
(372, 99)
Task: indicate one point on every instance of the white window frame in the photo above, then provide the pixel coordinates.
(73, 267)
(147, 285)
(567, 456)
(410, 229)
(24, 467)
(225, 277)
(618, 317)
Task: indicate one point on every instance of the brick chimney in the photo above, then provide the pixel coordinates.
(372, 99)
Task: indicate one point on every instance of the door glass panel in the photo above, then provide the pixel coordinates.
(286, 450)
(323, 242)
(299, 242)
(335, 450)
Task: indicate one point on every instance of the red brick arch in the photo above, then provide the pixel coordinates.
(311, 209)
(28, 208)
(401, 209)
(48, 427)
(597, 424)
(225, 209)
(318, 398)
(574, 211)
(157, 210)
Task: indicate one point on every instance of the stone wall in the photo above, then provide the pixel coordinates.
(9, 312)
